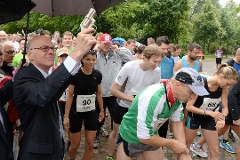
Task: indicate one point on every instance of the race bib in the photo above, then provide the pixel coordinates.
(210, 104)
(85, 103)
(159, 123)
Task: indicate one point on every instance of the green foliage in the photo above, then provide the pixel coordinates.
(123, 20)
(229, 21)
(37, 21)
(167, 18)
(207, 27)
(215, 26)
(133, 19)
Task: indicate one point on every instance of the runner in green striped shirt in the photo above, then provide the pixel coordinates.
(150, 109)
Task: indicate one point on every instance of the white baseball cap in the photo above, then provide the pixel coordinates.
(193, 79)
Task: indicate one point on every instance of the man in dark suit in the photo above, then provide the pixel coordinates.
(36, 93)
(6, 127)
(6, 135)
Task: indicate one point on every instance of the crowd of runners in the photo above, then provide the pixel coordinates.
(155, 98)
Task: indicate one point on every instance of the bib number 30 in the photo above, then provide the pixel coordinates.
(85, 103)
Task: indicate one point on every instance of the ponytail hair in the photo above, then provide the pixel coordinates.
(227, 71)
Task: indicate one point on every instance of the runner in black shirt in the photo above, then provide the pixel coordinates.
(202, 110)
(84, 96)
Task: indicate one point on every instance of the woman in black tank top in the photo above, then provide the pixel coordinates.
(203, 111)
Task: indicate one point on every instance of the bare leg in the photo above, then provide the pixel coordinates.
(190, 135)
(202, 140)
(225, 135)
(236, 129)
(212, 142)
(112, 139)
(238, 152)
(153, 155)
(75, 143)
(121, 154)
(89, 140)
(223, 130)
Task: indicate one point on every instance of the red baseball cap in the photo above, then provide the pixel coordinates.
(105, 38)
(200, 54)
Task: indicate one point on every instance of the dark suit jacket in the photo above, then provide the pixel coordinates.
(35, 99)
(234, 101)
(6, 137)
(6, 70)
(6, 93)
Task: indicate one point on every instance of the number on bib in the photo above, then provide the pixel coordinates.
(85, 103)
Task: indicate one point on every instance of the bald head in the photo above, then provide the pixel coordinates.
(41, 52)
(37, 39)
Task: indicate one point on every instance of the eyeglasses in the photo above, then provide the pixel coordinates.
(10, 52)
(45, 48)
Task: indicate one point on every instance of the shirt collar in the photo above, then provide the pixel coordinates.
(44, 73)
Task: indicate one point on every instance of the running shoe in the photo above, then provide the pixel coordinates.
(198, 151)
(109, 158)
(231, 136)
(226, 146)
(103, 131)
(96, 142)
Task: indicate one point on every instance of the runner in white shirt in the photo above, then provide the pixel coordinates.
(132, 78)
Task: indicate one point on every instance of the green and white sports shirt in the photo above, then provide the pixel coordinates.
(148, 112)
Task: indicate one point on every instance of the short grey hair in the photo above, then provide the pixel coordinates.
(238, 51)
